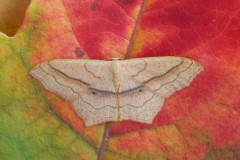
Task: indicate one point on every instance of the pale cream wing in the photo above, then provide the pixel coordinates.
(147, 82)
(86, 83)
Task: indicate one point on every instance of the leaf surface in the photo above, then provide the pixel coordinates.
(201, 121)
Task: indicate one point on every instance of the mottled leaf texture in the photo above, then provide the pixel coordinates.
(202, 121)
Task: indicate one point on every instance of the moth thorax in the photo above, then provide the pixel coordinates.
(116, 74)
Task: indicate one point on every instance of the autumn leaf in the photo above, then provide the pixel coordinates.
(201, 121)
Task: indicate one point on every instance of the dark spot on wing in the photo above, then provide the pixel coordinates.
(97, 92)
(132, 91)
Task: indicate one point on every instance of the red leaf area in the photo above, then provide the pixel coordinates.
(203, 30)
(102, 28)
(207, 31)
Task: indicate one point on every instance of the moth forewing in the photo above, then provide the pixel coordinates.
(116, 90)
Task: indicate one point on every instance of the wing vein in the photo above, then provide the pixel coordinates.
(164, 73)
(145, 66)
(140, 105)
(69, 76)
(176, 77)
(56, 80)
(94, 107)
(85, 66)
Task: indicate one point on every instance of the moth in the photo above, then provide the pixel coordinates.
(116, 90)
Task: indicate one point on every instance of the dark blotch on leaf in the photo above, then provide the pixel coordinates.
(127, 2)
(79, 53)
(94, 6)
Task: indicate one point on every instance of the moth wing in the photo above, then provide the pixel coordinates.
(154, 80)
(87, 84)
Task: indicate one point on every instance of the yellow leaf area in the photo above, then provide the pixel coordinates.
(29, 128)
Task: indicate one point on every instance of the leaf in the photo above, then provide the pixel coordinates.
(199, 122)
